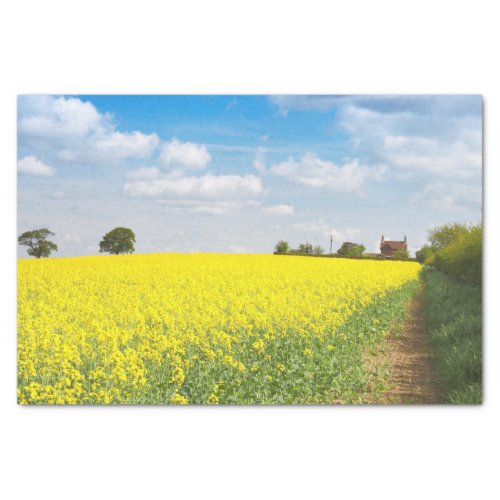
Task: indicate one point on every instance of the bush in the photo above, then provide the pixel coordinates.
(462, 257)
(457, 250)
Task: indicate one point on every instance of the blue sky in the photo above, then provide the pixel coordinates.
(238, 173)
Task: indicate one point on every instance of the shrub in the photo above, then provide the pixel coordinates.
(462, 257)
(457, 250)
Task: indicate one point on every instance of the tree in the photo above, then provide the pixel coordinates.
(37, 242)
(281, 247)
(317, 250)
(305, 248)
(424, 254)
(442, 236)
(401, 254)
(349, 249)
(460, 253)
(119, 240)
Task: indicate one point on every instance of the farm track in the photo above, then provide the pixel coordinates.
(410, 360)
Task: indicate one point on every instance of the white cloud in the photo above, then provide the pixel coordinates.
(33, 166)
(279, 210)
(450, 196)
(313, 172)
(71, 130)
(209, 210)
(127, 145)
(143, 173)
(443, 159)
(320, 226)
(72, 238)
(206, 206)
(205, 187)
(429, 137)
(59, 117)
(258, 162)
(452, 105)
(185, 154)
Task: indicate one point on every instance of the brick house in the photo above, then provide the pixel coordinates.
(387, 247)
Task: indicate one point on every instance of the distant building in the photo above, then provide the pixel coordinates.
(387, 247)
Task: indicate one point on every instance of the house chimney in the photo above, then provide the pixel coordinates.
(405, 239)
(382, 238)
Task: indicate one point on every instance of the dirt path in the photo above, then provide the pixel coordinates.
(412, 376)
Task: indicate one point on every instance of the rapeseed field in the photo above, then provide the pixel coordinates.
(202, 328)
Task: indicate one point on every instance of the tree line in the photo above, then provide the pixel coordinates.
(117, 241)
(347, 250)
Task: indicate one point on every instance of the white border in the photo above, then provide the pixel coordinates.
(257, 47)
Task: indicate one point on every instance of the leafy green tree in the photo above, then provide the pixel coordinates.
(119, 240)
(461, 253)
(424, 254)
(349, 249)
(305, 248)
(401, 254)
(317, 250)
(442, 236)
(37, 242)
(281, 247)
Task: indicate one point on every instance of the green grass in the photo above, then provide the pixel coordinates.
(454, 321)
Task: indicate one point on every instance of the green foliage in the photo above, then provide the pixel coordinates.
(37, 243)
(119, 240)
(424, 254)
(305, 249)
(349, 249)
(442, 236)
(281, 247)
(462, 258)
(457, 250)
(401, 254)
(454, 321)
(317, 250)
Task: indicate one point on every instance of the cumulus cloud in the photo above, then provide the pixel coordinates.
(279, 210)
(185, 155)
(427, 139)
(208, 186)
(127, 145)
(59, 117)
(33, 166)
(70, 130)
(443, 159)
(317, 173)
(431, 139)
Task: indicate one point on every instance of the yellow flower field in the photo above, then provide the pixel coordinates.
(201, 328)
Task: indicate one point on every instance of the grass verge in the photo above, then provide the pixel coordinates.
(454, 321)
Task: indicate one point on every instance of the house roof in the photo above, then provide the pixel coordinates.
(394, 245)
